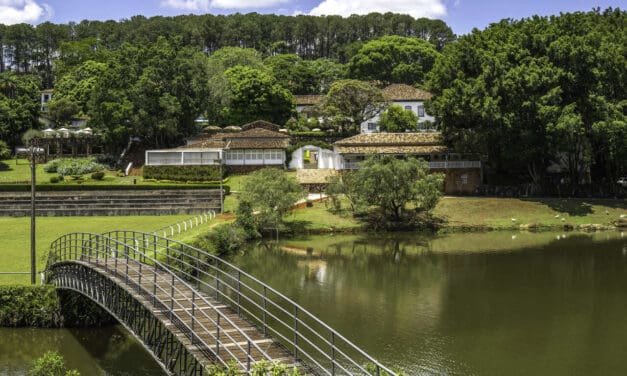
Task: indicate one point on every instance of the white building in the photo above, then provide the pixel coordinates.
(409, 98)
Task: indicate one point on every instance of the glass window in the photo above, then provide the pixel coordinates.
(464, 179)
(408, 108)
(420, 110)
(372, 126)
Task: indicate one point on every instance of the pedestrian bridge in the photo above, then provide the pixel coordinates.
(193, 310)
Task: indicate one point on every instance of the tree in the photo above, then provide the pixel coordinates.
(19, 105)
(62, 111)
(255, 95)
(397, 119)
(531, 92)
(293, 73)
(351, 102)
(391, 184)
(271, 193)
(393, 59)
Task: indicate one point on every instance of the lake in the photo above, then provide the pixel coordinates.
(497, 303)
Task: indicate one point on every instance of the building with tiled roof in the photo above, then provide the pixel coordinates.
(408, 97)
(255, 147)
(461, 176)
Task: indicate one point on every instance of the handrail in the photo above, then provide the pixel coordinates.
(311, 340)
(96, 248)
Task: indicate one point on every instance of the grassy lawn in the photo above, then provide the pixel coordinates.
(15, 235)
(498, 212)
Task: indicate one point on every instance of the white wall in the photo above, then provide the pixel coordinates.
(414, 107)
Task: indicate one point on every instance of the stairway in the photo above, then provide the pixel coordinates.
(111, 203)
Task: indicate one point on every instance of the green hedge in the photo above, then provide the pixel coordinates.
(105, 187)
(184, 173)
(29, 306)
(44, 307)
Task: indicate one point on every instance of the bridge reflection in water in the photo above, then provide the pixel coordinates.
(192, 309)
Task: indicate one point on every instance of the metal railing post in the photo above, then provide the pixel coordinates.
(265, 310)
(172, 298)
(193, 304)
(239, 284)
(332, 353)
(295, 334)
(218, 334)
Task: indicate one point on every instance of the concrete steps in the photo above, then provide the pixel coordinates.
(111, 203)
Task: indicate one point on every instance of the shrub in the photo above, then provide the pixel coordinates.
(5, 151)
(106, 187)
(51, 364)
(52, 165)
(228, 238)
(98, 175)
(54, 179)
(77, 167)
(184, 173)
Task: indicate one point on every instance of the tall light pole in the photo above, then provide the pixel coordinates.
(33, 151)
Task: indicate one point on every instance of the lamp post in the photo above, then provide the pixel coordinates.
(33, 151)
(221, 190)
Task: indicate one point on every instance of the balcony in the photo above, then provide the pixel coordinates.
(446, 165)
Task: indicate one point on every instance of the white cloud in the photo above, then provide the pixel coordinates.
(415, 8)
(204, 5)
(244, 4)
(20, 11)
(189, 5)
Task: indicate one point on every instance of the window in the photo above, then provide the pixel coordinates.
(464, 179)
(372, 126)
(420, 110)
(235, 155)
(408, 108)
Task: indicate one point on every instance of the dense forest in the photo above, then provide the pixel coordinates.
(527, 95)
(538, 93)
(28, 48)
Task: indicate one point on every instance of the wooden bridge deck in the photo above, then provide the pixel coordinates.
(207, 312)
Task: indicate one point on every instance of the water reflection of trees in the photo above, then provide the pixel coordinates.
(440, 304)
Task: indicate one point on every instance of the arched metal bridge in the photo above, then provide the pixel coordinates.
(193, 310)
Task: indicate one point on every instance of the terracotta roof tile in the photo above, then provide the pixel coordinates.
(307, 100)
(402, 92)
(391, 143)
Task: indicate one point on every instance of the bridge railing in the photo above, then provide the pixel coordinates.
(136, 267)
(310, 341)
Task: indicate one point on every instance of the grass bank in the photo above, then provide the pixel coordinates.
(485, 213)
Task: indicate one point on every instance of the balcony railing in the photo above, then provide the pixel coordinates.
(444, 165)
(440, 165)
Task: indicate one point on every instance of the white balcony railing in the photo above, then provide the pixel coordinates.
(444, 165)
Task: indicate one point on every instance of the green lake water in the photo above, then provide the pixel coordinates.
(495, 303)
(104, 351)
(499, 303)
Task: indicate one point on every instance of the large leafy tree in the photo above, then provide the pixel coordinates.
(398, 119)
(293, 73)
(270, 193)
(19, 105)
(530, 93)
(405, 182)
(393, 59)
(351, 102)
(255, 95)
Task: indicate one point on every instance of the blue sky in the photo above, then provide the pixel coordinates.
(461, 15)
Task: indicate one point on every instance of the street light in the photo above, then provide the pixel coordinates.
(34, 142)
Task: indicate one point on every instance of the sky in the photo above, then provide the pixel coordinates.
(461, 15)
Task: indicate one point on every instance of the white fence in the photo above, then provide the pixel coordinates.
(188, 224)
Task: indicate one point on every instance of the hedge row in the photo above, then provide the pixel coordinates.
(44, 307)
(105, 187)
(184, 173)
